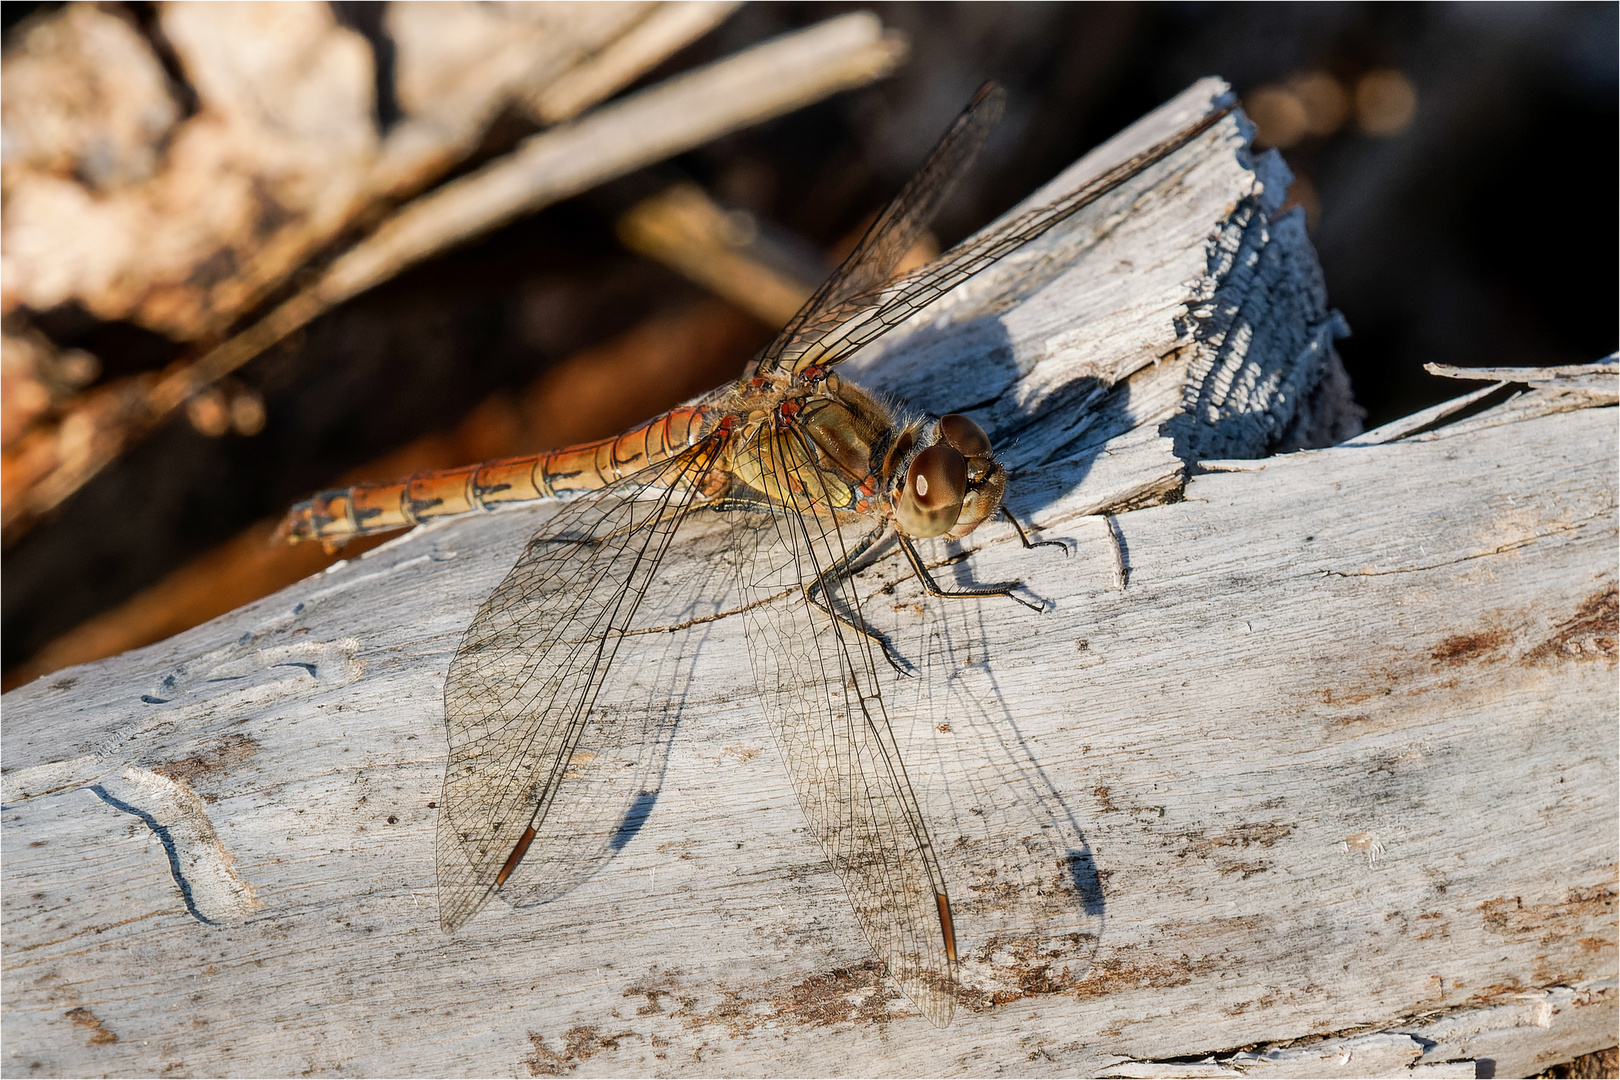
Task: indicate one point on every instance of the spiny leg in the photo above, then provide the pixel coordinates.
(842, 570)
(931, 587)
(838, 571)
(1024, 537)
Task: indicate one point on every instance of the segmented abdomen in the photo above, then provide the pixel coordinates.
(556, 474)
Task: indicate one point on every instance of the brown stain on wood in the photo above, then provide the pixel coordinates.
(1351, 721)
(1590, 633)
(1264, 1001)
(1328, 696)
(1141, 971)
(1217, 848)
(1555, 925)
(215, 758)
(843, 995)
(1467, 648)
(1581, 911)
(1259, 834)
(655, 996)
(580, 1043)
(1040, 964)
(84, 1018)
(1496, 992)
(1247, 869)
(859, 995)
(1440, 929)
(854, 995)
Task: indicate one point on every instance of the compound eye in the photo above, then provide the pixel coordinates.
(962, 433)
(936, 484)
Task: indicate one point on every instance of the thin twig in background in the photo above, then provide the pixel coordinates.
(688, 110)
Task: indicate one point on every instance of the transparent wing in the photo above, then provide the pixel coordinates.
(1033, 909)
(896, 229)
(615, 772)
(818, 684)
(527, 673)
(827, 336)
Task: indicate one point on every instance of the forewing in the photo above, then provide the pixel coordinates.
(819, 686)
(896, 229)
(829, 335)
(531, 664)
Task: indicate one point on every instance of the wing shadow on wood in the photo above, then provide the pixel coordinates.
(1031, 909)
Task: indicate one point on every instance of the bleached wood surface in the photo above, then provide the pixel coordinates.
(1335, 769)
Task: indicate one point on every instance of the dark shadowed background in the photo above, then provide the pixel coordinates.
(1457, 163)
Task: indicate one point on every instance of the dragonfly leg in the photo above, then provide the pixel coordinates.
(837, 572)
(842, 570)
(931, 587)
(731, 504)
(1023, 536)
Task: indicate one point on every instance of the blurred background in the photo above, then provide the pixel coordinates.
(189, 189)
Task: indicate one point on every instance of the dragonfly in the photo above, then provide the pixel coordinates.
(804, 475)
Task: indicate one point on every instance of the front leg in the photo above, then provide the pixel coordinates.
(931, 587)
(842, 570)
(1024, 537)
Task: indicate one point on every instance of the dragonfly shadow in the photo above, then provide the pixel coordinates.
(634, 818)
(1048, 440)
(968, 367)
(1087, 884)
(1031, 901)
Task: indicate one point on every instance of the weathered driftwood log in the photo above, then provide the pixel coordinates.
(1308, 762)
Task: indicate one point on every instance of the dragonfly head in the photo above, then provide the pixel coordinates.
(952, 485)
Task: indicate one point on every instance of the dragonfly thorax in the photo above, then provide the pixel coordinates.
(832, 447)
(930, 477)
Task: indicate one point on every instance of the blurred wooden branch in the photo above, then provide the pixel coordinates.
(1339, 757)
(688, 110)
(668, 28)
(683, 228)
(731, 255)
(51, 461)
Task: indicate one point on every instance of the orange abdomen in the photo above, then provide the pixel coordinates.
(557, 474)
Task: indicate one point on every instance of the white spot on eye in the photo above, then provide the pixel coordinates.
(922, 485)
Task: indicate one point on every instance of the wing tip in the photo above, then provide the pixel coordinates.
(458, 906)
(937, 1004)
(932, 990)
(453, 918)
